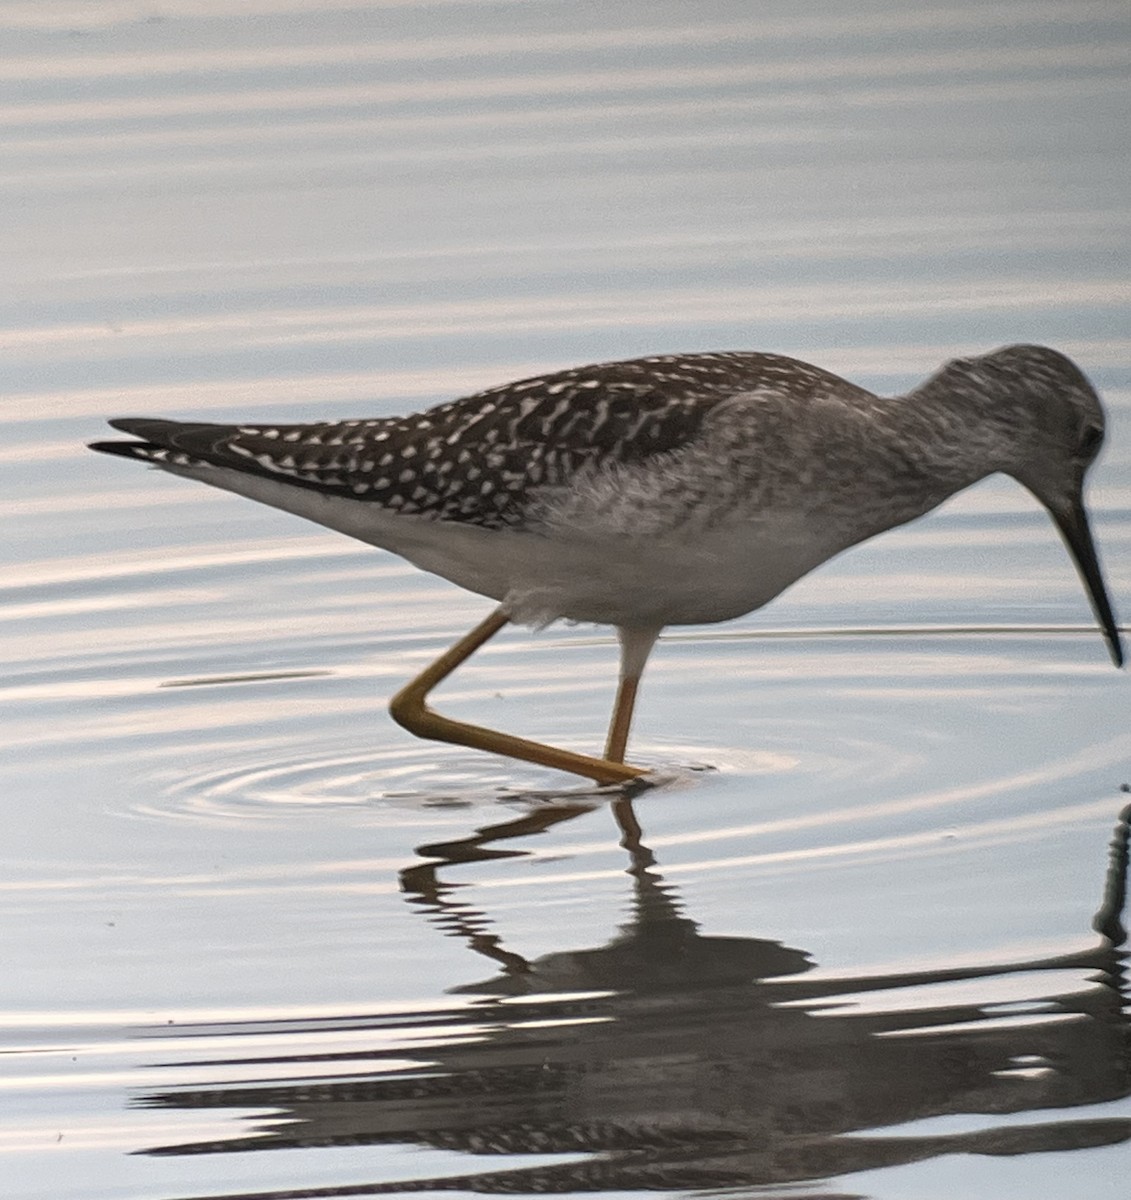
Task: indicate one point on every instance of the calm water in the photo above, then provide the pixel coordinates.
(865, 939)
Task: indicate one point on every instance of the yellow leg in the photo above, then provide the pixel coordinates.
(622, 719)
(408, 709)
(636, 644)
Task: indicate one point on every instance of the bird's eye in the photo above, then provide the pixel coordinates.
(1091, 439)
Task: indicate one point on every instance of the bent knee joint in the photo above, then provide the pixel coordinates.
(407, 708)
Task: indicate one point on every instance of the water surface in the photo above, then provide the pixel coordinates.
(864, 938)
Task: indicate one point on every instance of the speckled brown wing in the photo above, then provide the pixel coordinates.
(481, 459)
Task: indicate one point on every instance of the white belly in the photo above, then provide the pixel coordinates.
(607, 578)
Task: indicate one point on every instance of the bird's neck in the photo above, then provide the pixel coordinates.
(965, 431)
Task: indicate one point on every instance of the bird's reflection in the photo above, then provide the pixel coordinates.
(672, 1060)
(659, 951)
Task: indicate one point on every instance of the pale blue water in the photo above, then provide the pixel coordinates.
(256, 942)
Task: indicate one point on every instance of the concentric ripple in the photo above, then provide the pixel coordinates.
(874, 718)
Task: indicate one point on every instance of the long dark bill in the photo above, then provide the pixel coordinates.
(1073, 526)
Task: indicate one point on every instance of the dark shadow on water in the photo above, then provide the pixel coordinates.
(672, 1060)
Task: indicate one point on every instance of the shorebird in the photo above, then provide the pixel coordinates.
(670, 490)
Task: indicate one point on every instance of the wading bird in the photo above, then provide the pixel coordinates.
(672, 490)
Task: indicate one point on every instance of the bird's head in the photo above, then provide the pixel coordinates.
(1054, 423)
